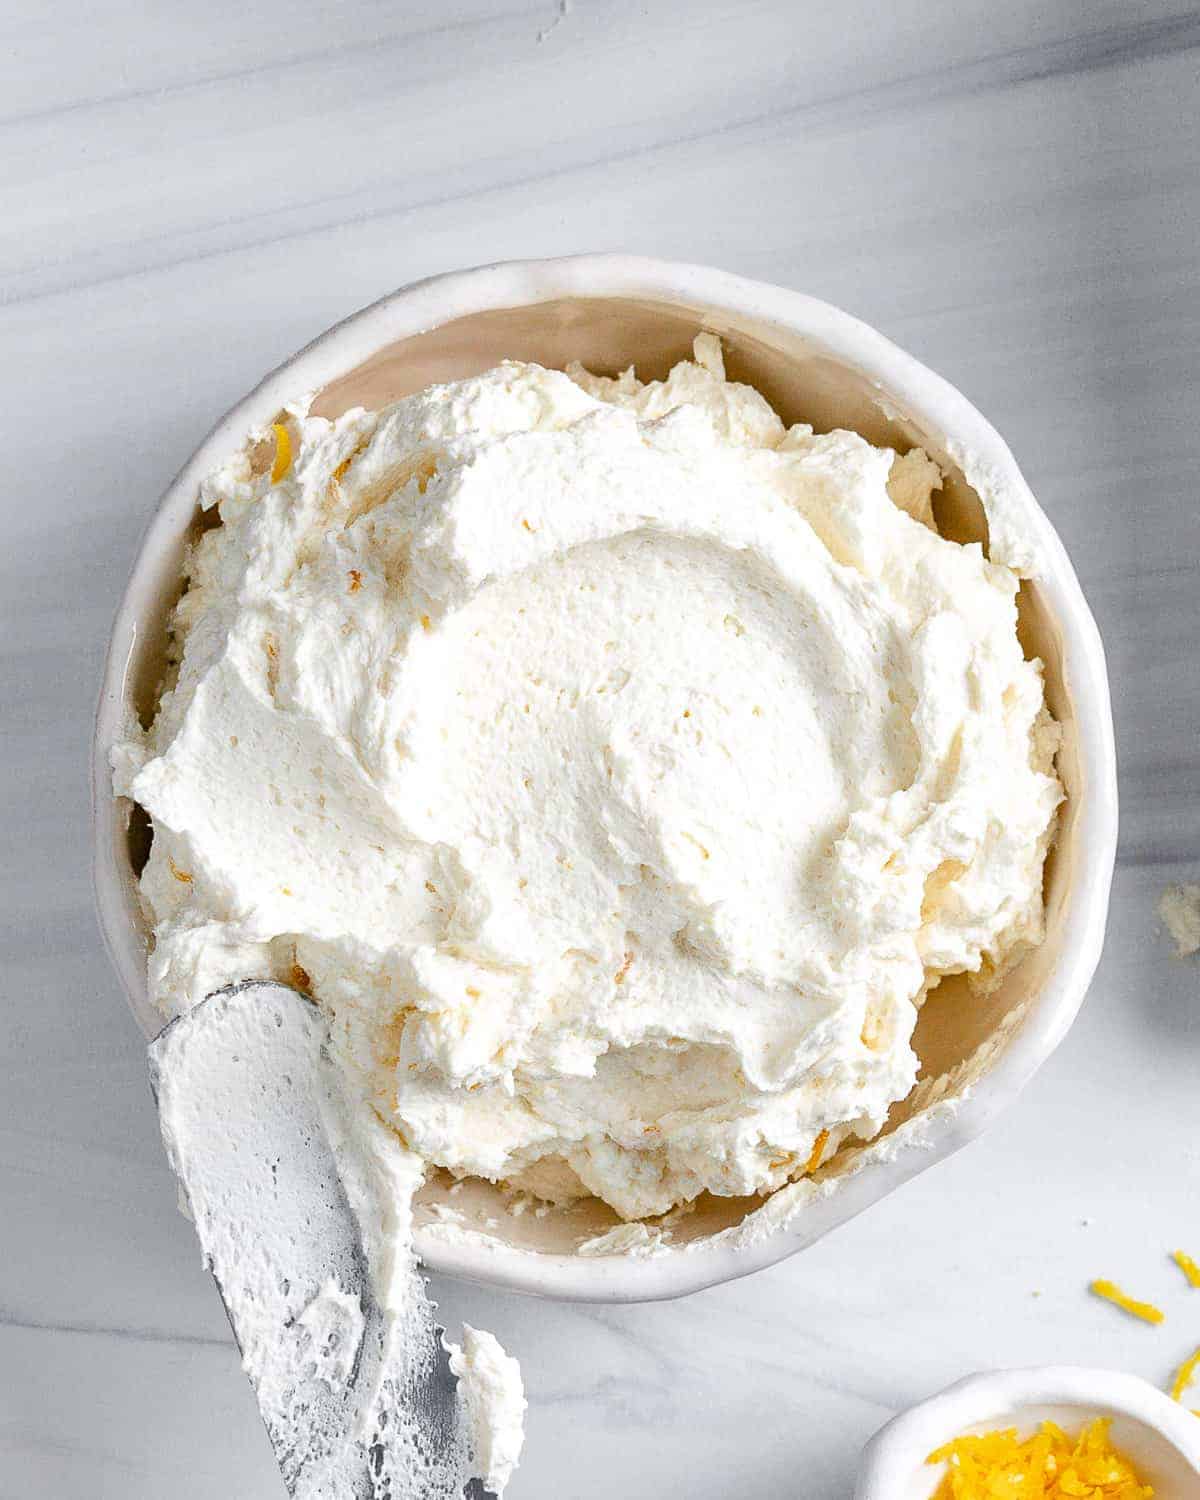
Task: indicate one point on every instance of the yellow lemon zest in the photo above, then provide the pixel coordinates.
(818, 1150)
(1111, 1292)
(283, 452)
(1188, 1266)
(1184, 1376)
(1047, 1466)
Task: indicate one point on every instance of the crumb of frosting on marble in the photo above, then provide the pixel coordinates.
(1179, 908)
(490, 1387)
(659, 763)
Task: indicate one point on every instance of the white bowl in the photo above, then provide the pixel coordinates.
(1159, 1437)
(814, 363)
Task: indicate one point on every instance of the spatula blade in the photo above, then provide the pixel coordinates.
(353, 1410)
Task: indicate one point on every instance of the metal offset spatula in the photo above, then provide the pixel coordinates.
(356, 1407)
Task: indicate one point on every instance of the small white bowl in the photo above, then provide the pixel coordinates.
(1158, 1436)
(814, 363)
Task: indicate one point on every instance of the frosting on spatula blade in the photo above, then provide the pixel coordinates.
(357, 1397)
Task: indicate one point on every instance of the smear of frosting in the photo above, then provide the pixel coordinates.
(333, 1321)
(1179, 908)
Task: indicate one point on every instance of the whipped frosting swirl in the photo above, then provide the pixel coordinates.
(618, 768)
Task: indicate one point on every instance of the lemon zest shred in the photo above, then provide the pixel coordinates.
(1048, 1466)
(818, 1150)
(1188, 1266)
(283, 452)
(1111, 1292)
(1184, 1376)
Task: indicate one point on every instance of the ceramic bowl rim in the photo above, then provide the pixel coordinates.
(912, 388)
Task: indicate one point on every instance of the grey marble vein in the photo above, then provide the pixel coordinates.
(336, 52)
(458, 180)
(99, 1331)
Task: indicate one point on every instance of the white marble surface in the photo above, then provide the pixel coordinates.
(190, 192)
